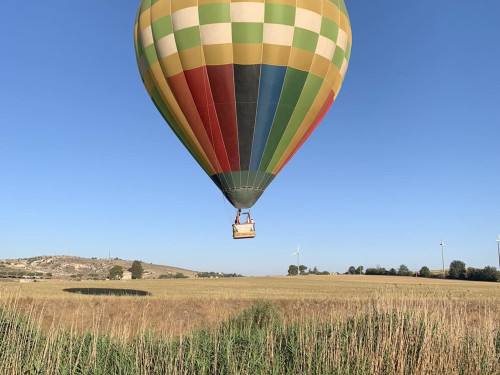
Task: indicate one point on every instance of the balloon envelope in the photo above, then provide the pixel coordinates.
(242, 83)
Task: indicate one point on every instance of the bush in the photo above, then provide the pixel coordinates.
(261, 316)
(425, 272)
(178, 275)
(437, 276)
(404, 271)
(376, 271)
(293, 270)
(315, 271)
(136, 270)
(218, 274)
(485, 274)
(457, 270)
(116, 273)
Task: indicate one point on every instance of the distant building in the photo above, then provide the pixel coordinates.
(127, 275)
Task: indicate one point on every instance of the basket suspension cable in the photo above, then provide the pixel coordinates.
(226, 210)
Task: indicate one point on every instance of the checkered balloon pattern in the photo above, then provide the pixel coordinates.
(242, 84)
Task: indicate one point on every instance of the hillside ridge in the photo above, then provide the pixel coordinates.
(73, 267)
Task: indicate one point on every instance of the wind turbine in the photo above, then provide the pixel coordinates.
(442, 253)
(298, 257)
(498, 242)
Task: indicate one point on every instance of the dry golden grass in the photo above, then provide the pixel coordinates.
(297, 325)
(178, 306)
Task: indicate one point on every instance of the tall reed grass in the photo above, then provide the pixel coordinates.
(390, 336)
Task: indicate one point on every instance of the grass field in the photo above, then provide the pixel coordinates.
(341, 324)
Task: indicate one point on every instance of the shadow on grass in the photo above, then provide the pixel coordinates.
(107, 292)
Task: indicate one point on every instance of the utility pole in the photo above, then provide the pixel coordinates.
(498, 242)
(442, 254)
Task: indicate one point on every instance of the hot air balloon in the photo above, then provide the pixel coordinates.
(242, 84)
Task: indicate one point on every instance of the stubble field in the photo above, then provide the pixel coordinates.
(341, 324)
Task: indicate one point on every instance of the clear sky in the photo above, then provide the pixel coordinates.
(409, 153)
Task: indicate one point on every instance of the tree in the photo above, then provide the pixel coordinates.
(302, 269)
(351, 270)
(116, 273)
(293, 270)
(490, 274)
(136, 270)
(376, 271)
(403, 271)
(425, 272)
(457, 270)
(359, 270)
(485, 274)
(392, 272)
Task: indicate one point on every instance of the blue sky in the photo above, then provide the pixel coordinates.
(409, 153)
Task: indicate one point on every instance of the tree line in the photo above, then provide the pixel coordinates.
(116, 272)
(293, 270)
(213, 275)
(457, 270)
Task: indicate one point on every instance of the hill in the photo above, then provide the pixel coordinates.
(71, 267)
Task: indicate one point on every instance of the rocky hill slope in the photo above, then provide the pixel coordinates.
(70, 267)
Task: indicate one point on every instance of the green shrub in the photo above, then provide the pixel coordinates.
(425, 272)
(116, 273)
(485, 274)
(136, 270)
(376, 271)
